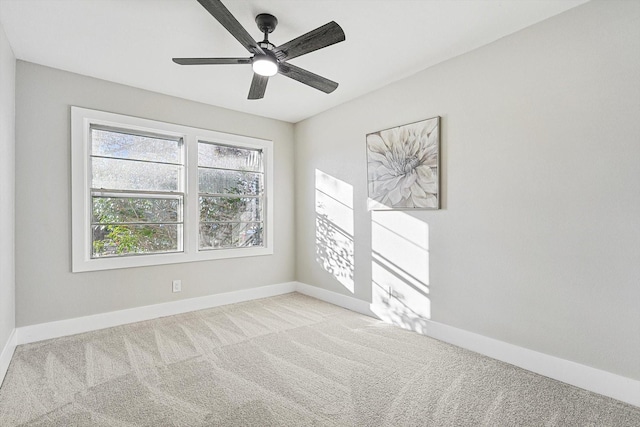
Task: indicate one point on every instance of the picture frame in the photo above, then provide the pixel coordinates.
(403, 166)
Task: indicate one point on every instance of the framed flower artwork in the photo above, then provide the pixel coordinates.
(403, 166)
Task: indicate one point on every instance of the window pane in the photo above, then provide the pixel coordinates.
(109, 210)
(115, 144)
(119, 239)
(219, 156)
(233, 209)
(230, 235)
(131, 175)
(229, 182)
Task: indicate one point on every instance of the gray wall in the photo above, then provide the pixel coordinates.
(537, 242)
(46, 290)
(7, 189)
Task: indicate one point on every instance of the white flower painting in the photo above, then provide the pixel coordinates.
(403, 166)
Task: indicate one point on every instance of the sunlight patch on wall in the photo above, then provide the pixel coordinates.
(400, 268)
(334, 228)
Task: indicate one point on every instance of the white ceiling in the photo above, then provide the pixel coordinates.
(132, 42)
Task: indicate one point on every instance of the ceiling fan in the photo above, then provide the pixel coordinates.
(267, 59)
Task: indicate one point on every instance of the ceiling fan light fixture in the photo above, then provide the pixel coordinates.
(265, 65)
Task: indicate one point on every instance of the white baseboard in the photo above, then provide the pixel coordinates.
(45, 331)
(7, 354)
(592, 379)
(351, 303)
(586, 377)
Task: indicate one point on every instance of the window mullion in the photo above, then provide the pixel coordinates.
(192, 208)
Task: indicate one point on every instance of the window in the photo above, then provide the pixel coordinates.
(137, 193)
(231, 196)
(149, 193)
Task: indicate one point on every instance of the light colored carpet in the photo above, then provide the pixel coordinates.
(290, 360)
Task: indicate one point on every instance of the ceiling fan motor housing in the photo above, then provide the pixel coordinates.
(266, 45)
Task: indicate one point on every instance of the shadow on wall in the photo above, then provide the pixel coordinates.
(334, 228)
(400, 269)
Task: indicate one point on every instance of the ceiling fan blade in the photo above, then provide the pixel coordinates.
(258, 86)
(207, 61)
(307, 77)
(222, 14)
(324, 36)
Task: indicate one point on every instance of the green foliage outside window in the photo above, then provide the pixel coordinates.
(126, 225)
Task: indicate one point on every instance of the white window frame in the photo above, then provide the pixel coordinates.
(81, 121)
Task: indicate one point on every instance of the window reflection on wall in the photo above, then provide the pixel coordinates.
(334, 228)
(400, 268)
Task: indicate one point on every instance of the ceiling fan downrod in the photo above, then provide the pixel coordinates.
(266, 24)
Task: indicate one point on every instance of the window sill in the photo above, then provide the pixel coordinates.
(112, 263)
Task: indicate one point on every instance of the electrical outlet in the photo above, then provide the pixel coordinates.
(177, 285)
